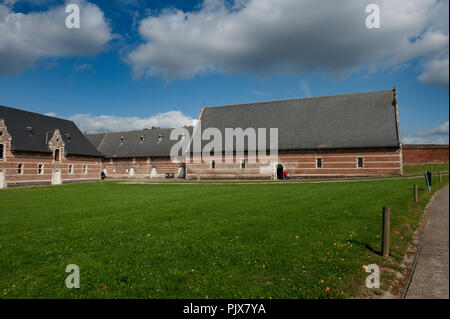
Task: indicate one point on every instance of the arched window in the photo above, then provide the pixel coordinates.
(57, 155)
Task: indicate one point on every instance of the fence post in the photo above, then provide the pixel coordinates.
(416, 195)
(440, 178)
(386, 230)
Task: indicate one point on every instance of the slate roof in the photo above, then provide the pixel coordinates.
(43, 127)
(359, 120)
(156, 142)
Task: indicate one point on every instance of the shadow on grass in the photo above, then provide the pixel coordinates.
(368, 247)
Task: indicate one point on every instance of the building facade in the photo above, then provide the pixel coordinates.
(138, 154)
(332, 136)
(41, 150)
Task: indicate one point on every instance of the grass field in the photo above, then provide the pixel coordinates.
(201, 241)
(420, 169)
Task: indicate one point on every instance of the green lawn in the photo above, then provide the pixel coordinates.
(198, 241)
(420, 169)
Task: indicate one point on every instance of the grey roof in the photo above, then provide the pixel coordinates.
(156, 142)
(43, 127)
(329, 122)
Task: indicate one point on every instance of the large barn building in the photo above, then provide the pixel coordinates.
(331, 136)
(41, 150)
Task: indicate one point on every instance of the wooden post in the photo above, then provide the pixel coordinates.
(386, 230)
(440, 178)
(416, 195)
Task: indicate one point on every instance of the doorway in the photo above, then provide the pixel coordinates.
(56, 177)
(181, 172)
(132, 172)
(280, 170)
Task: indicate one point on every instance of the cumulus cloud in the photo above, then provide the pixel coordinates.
(437, 135)
(104, 123)
(26, 39)
(292, 36)
(436, 70)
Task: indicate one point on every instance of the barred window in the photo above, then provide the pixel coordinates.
(360, 162)
(319, 162)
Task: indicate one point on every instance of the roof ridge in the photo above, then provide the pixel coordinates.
(35, 113)
(298, 98)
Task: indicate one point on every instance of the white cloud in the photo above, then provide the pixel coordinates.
(291, 36)
(437, 135)
(440, 130)
(26, 39)
(436, 70)
(84, 67)
(304, 85)
(104, 123)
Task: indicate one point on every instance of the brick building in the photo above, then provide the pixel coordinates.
(341, 135)
(41, 150)
(331, 136)
(138, 154)
(425, 154)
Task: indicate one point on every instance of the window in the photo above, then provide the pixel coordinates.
(111, 161)
(319, 162)
(148, 160)
(40, 169)
(2, 151)
(242, 163)
(360, 162)
(213, 164)
(20, 169)
(134, 160)
(70, 169)
(85, 169)
(57, 155)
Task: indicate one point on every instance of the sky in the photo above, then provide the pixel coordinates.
(137, 64)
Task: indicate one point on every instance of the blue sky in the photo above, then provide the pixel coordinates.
(155, 63)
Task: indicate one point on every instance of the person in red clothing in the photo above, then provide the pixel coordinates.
(285, 174)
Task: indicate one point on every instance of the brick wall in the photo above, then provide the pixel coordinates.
(335, 163)
(140, 167)
(425, 154)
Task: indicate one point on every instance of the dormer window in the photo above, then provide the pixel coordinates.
(29, 130)
(160, 137)
(67, 137)
(141, 139)
(122, 140)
